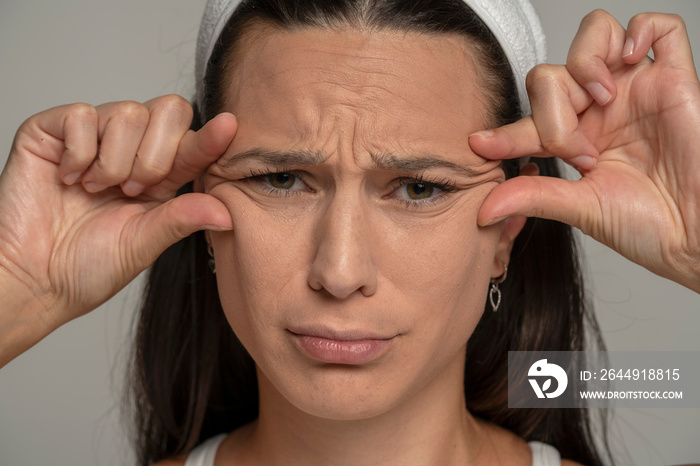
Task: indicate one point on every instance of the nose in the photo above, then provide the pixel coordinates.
(343, 262)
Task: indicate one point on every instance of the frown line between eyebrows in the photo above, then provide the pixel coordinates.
(307, 158)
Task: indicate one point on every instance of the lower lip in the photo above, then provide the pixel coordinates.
(342, 351)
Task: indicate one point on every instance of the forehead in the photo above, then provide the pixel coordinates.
(385, 84)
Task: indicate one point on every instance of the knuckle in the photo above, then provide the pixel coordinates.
(175, 107)
(174, 102)
(676, 20)
(541, 76)
(536, 197)
(83, 112)
(580, 63)
(153, 170)
(642, 19)
(649, 19)
(596, 16)
(132, 113)
(108, 171)
(555, 142)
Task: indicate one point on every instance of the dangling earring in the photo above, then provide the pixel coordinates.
(212, 264)
(495, 291)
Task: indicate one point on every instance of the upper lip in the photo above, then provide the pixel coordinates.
(337, 334)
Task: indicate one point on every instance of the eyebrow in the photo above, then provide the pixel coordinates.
(296, 158)
(307, 158)
(391, 161)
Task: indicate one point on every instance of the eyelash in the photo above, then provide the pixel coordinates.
(261, 175)
(443, 185)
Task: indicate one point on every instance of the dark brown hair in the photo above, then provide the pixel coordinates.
(190, 376)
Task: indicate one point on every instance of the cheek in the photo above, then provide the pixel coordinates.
(441, 269)
(433, 271)
(446, 259)
(259, 264)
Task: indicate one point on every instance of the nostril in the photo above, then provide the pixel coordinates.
(315, 285)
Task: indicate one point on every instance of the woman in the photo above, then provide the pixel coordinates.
(370, 231)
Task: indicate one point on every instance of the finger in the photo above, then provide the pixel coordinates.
(80, 141)
(556, 100)
(666, 34)
(553, 128)
(539, 196)
(515, 140)
(174, 220)
(198, 150)
(170, 119)
(121, 128)
(65, 136)
(596, 49)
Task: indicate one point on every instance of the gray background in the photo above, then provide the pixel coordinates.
(59, 402)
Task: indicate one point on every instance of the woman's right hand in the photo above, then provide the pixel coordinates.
(88, 203)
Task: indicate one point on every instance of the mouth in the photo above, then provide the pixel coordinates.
(349, 348)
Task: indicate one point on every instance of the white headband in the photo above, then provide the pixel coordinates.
(513, 22)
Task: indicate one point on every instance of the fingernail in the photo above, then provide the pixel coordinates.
(628, 49)
(493, 221)
(599, 93)
(71, 178)
(93, 187)
(132, 188)
(484, 134)
(217, 228)
(585, 162)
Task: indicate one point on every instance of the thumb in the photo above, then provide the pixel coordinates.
(538, 196)
(174, 220)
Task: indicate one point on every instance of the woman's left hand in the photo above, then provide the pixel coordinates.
(631, 126)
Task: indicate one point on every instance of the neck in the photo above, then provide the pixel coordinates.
(431, 427)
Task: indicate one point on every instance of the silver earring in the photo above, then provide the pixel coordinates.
(495, 291)
(212, 264)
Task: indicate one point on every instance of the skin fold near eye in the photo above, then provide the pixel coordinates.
(407, 190)
(419, 189)
(284, 182)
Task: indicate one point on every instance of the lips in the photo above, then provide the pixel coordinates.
(351, 348)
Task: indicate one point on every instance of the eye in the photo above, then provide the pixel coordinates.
(284, 180)
(418, 191)
(280, 183)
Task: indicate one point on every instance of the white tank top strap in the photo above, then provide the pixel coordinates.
(204, 453)
(544, 455)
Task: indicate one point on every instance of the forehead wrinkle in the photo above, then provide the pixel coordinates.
(359, 97)
(345, 85)
(364, 73)
(363, 59)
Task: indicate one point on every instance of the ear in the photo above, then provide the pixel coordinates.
(512, 226)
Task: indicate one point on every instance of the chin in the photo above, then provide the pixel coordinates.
(341, 393)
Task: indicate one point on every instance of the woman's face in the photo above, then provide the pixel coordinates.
(356, 271)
